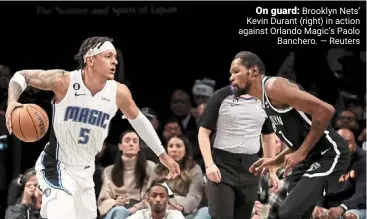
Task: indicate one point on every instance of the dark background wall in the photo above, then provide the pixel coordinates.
(162, 52)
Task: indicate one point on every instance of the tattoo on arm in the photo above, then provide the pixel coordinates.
(14, 91)
(44, 80)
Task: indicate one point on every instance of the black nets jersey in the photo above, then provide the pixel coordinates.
(292, 126)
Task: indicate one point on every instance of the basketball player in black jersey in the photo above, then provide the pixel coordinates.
(316, 154)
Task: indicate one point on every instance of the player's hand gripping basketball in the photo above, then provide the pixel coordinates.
(171, 164)
(11, 106)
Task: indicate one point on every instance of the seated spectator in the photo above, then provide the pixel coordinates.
(202, 90)
(188, 187)
(158, 201)
(270, 199)
(348, 198)
(28, 204)
(171, 128)
(347, 120)
(125, 182)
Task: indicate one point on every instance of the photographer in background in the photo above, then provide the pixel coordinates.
(28, 205)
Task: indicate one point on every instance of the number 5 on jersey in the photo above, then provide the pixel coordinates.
(84, 136)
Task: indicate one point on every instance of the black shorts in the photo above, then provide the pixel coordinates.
(310, 180)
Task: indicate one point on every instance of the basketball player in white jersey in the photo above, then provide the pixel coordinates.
(85, 102)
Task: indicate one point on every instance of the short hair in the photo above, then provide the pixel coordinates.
(157, 183)
(87, 44)
(250, 60)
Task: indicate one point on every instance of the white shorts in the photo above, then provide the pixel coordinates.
(68, 191)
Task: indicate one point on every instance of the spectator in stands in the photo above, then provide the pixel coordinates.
(203, 90)
(152, 116)
(158, 201)
(362, 137)
(188, 187)
(28, 204)
(268, 195)
(358, 110)
(125, 182)
(347, 120)
(348, 198)
(171, 128)
(198, 112)
(270, 198)
(181, 107)
(200, 109)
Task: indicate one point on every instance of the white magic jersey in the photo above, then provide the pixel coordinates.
(81, 122)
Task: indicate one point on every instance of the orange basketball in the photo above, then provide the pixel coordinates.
(29, 122)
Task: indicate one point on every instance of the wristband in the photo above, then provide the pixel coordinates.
(19, 79)
(344, 207)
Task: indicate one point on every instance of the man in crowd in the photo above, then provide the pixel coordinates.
(158, 200)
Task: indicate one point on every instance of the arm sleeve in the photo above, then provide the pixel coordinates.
(267, 127)
(210, 116)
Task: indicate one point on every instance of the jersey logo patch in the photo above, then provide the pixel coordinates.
(76, 86)
(323, 152)
(313, 167)
(47, 192)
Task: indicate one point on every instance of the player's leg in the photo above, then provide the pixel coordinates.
(60, 206)
(86, 204)
(309, 189)
(304, 196)
(58, 189)
(56, 203)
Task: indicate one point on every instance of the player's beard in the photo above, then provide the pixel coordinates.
(241, 91)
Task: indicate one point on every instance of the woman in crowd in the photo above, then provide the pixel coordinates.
(125, 182)
(188, 187)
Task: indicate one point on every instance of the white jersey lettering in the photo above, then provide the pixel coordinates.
(81, 121)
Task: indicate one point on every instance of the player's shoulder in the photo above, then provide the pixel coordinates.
(122, 92)
(275, 84)
(61, 80)
(121, 88)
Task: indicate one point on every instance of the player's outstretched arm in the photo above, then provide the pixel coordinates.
(137, 119)
(144, 128)
(41, 79)
(284, 92)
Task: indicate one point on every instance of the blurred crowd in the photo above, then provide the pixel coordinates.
(129, 179)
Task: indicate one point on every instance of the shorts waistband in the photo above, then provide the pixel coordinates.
(65, 165)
